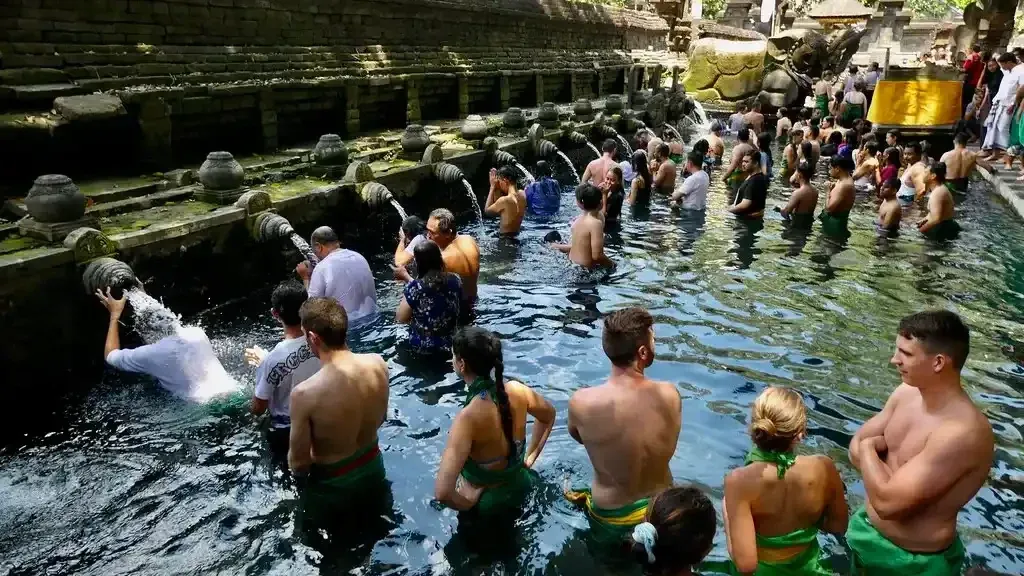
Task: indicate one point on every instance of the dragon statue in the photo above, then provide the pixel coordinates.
(794, 57)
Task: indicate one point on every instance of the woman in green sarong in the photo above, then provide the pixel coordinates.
(854, 106)
(486, 443)
(777, 502)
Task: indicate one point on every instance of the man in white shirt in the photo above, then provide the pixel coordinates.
(343, 275)
(180, 358)
(280, 370)
(1004, 102)
(693, 193)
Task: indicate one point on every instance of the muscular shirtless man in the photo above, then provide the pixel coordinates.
(923, 457)
(460, 253)
(664, 170)
(629, 426)
(939, 223)
(912, 185)
(734, 174)
(335, 414)
(755, 119)
(597, 169)
(960, 162)
(505, 199)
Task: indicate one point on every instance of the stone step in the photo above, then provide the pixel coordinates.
(38, 95)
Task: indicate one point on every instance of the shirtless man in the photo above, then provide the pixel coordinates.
(783, 126)
(596, 170)
(335, 414)
(823, 94)
(791, 154)
(814, 137)
(755, 119)
(459, 251)
(960, 162)
(912, 185)
(864, 175)
(716, 145)
(889, 211)
(505, 199)
(939, 223)
(734, 174)
(923, 457)
(587, 248)
(664, 170)
(803, 200)
(629, 426)
(835, 217)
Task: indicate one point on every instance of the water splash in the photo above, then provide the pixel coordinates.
(594, 149)
(399, 209)
(701, 115)
(474, 201)
(526, 173)
(569, 163)
(625, 145)
(304, 249)
(152, 320)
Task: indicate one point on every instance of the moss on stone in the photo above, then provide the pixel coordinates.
(97, 187)
(15, 243)
(143, 219)
(385, 166)
(707, 95)
(291, 188)
(746, 83)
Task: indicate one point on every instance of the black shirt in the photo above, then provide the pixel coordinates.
(992, 80)
(614, 206)
(755, 189)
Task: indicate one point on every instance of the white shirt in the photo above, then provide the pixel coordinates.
(420, 239)
(1009, 84)
(289, 363)
(694, 192)
(345, 276)
(184, 364)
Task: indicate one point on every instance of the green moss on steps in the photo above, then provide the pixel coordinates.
(15, 243)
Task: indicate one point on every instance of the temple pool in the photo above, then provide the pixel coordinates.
(134, 481)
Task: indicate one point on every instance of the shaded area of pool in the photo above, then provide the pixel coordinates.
(138, 482)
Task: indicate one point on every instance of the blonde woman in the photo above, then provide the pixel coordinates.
(777, 502)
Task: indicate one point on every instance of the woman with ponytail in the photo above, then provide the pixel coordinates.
(486, 444)
(677, 534)
(775, 505)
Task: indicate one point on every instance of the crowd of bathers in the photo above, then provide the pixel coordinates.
(922, 458)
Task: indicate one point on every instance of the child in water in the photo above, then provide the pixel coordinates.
(889, 211)
(587, 248)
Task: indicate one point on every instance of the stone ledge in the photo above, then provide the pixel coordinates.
(159, 232)
(1004, 184)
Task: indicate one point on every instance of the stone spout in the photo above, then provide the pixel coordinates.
(577, 138)
(605, 131)
(377, 195)
(502, 158)
(498, 156)
(448, 173)
(269, 226)
(103, 273)
(546, 148)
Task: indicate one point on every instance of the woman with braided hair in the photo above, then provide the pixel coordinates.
(775, 505)
(487, 441)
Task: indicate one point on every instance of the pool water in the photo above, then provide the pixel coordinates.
(135, 481)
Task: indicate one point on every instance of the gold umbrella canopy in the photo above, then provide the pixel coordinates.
(832, 13)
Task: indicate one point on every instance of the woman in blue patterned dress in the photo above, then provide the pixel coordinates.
(430, 302)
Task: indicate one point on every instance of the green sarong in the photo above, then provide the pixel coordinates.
(872, 554)
(853, 112)
(821, 103)
(609, 527)
(1016, 134)
(507, 488)
(945, 230)
(958, 185)
(835, 224)
(332, 484)
(676, 159)
(736, 177)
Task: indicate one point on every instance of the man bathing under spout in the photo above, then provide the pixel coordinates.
(923, 457)
(629, 426)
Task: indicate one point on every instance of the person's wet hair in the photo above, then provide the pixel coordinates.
(642, 168)
(844, 163)
(754, 155)
(894, 133)
(835, 138)
(892, 157)
(805, 170)
(777, 418)
(543, 169)
(286, 300)
(625, 331)
(412, 227)
(508, 173)
(764, 141)
(915, 148)
(609, 146)
(852, 140)
(939, 331)
(324, 236)
(816, 121)
(589, 196)
(445, 220)
(663, 150)
(743, 135)
(853, 68)
(716, 127)
(872, 148)
(481, 351)
(892, 184)
(796, 133)
(695, 158)
(702, 146)
(617, 172)
(429, 264)
(961, 138)
(678, 533)
(807, 149)
(815, 132)
(939, 170)
(326, 318)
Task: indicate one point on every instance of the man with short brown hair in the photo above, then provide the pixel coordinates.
(629, 426)
(923, 457)
(336, 413)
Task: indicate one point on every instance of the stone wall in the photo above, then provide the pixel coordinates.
(255, 75)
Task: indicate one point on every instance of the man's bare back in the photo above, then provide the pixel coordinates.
(341, 406)
(666, 177)
(513, 212)
(630, 428)
(959, 163)
(598, 169)
(803, 201)
(462, 257)
(587, 248)
(716, 145)
(755, 120)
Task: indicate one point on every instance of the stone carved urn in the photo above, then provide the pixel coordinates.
(613, 104)
(330, 151)
(55, 198)
(221, 172)
(474, 128)
(415, 139)
(639, 100)
(548, 115)
(514, 118)
(583, 109)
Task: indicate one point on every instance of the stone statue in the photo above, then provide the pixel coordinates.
(795, 57)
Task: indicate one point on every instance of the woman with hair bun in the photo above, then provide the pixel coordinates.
(678, 533)
(775, 505)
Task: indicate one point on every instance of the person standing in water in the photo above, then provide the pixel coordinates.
(823, 93)
(430, 303)
(335, 415)
(840, 200)
(612, 194)
(543, 197)
(865, 176)
(754, 119)
(342, 274)
(412, 232)
(939, 223)
(791, 154)
(783, 126)
(693, 194)
(461, 255)
(640, 188)
(280, 370)
(630, 428)
(923, 457)
(664, 170)
(597, 169)
(960, 162)
(587, 247)
(506, 200)
(677, 533)
(804, 200)
(777, 502)
(716, 146)
(912, 185)
(889, 211)
(753, 192)
(738, 120)
(487, 442)
(734, 173)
